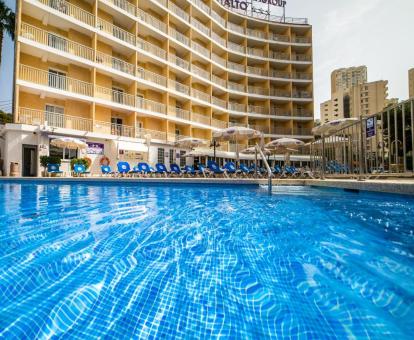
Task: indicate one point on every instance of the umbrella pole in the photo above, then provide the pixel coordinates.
(255, 162)
(214, 146)
(323, 157)
(237, 154)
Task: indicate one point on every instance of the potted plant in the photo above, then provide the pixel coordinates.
(45, 160)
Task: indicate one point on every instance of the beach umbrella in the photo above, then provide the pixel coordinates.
(68, 143)
(334, 126)
(252, 151)
(236, 134)
(286, 145)
(190, 142)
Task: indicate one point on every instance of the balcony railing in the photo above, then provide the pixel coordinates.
(235, 28)
(114, 96)
(302, 94)
(124, 5)
(200, 49)
(258, 52)
(40, 117)
(280, 74)
(179, 113)
(184, 64)
(277, 130)
(200, 26)
(154, 134)
(219, 102)
(256, 33)
(235, 66)
(151, 76)
(199, 118)
(180, 37)
(302, 113)
(218, 80)
(114, 129)
(178, 11)
(200, 95)
(150, 105)
(179, 87)
(55, 81)
(302, 131)
(218, 39)
(280, 93)
(235, 47)
(116, 32)
(233, 106)
(257, 109)
(257, 70)
(218, 18)
(219, 123)
(278, 37)
(218, 59)
(70, 10)
(279, 112)
(257, 90)
(151, 20)
(236, 86)
(200, 72)
(151, 48)
(301, 57)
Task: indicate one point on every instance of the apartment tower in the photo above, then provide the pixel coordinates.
(162, 70)
(411, 83)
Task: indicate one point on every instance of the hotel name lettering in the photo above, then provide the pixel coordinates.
(243, 5)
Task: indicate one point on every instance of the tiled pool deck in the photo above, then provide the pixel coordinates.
(395, 186)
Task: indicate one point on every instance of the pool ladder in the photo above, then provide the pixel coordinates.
(269, 171)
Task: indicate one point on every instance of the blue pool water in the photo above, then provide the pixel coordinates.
(134, 261)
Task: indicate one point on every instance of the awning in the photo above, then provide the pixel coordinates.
(131, 146)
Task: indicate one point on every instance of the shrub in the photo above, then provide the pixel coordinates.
(45, 160)
(85, 161)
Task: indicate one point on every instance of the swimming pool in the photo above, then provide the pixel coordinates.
(135, 260)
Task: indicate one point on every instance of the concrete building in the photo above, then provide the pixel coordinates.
(411, 83)
(352, 95)
(130, 72)
(344, 78)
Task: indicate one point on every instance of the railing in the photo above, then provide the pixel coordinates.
(179, 62)
(218, 123)
(218, 59)
(218, 18)
(278, 55)
(256, 52)
(236, 86)
(151, 48)
(280, 93)
(219, 102)
(199, 71)
(200, 26)
(302, 131)
(151, 76)
(301, 57)
(52, 40)
(218, 39)
(233, 106)
(231, 124)
(277, 130)
(302, 94)
(256, 33)
(302, 75)
(276, 111)
(40, 117)
(278, 37)
(114, 96)
(151, 20)
(199, 118)
(261, 128)
(150, 105)
(280, 74)
(180, 37)
(70, 10)
(55, 81)
(178, 11)
(124, 5)
(116, 32)
(142, 133)
(179, 113)
(114, 63)
(257, 109)
(301, 40)
(302, 113)
(235, 66)
(113, 129)
(235, 47)
(200, 95)
(235, 27)
(257, 70)
(236, 147)
(257, 90)
(200, 4)
(172, 84)
(219, 81)
(200, 49)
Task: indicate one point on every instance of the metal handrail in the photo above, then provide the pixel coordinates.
(269, 171)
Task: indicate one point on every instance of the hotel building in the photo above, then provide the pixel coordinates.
(140, 75)
(411, 83)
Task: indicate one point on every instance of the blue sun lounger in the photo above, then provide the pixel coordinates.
(203, 170)
(230, 168)
(175, 169)
(215, 169)
(79, 170)
(123, 168)
(161, 169)
(145, 168)
(53, 169)
(106, 170)
(189, 170)
(245, 170)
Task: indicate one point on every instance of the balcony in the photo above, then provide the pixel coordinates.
(151, 20)
(233, 106)
(218, 81)
(235, 66)
(151, 48)
(278, 37)
(200, 49)
(154, 134)
(235, 28)
(199, 118)
(180, 37)
(235, 47)
(200, 95)
(219, 60)
(219, 102)
(123, 5)
(151, 77)
(297, 131)
(280, 93)
(278, 112)
(302, 113)
(302, 76)
(301, 57)
(70, 10)
(280, 74)
(218, 123)
(236, 86)
(278, 55)
(256, 33)
(277, 130)
(39, 117)
(184, 64)
(257, 109)
(257, 70)
(200, 26)
(178, 11)
(55, 81)
(257, 90)
(302, 94)
(200, 72)
(201, 5)
(150, 105)
(258, 52)
(179, 113)
(176, 86)
(116, 32)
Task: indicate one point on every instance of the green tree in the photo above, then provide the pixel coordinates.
(5, 117)
(7, 20)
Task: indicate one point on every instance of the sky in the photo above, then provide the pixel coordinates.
(375, 33)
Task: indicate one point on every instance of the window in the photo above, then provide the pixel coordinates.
(160, 155)
(116, 126)
(62, 153)
(57, 79)
(54, 115)
(182, 158)
(172, 156)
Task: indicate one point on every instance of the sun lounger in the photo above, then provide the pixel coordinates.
(161, 169)
(124, 168)
(145, 169)
(53, 169)
(215, 169)
(106, 170)
(175, 170)
(189, 170)
(79, 170)
(231, 169)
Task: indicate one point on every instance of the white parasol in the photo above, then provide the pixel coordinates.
(68, 143)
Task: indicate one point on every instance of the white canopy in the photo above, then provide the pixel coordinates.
(236, 133)
(284, 143)
(68, 143)
(334, 126)
(131, 146)
(252, 151)
(190, 142)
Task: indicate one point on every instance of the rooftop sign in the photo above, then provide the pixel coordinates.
(263, 8)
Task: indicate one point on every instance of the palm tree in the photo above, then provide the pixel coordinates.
(7, 19)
